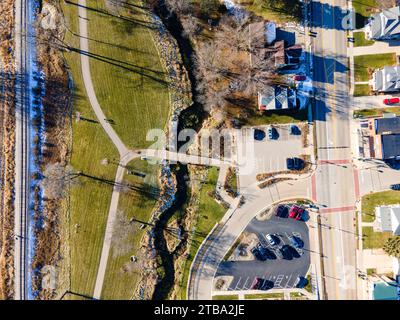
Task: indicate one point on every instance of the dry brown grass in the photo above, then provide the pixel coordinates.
(57, 119)
(7, 118)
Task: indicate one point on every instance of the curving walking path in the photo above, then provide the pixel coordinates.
(125, 154)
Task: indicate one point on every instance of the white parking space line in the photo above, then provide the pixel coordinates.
(279, 280)
(237, 283)
(287, 283)
(244, 285)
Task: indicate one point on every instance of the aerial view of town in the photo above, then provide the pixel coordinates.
(200, 150)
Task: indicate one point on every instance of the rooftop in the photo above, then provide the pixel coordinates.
(387, 125)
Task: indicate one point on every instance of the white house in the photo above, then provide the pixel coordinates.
(387, 218)
(384, 25)
(386, 79)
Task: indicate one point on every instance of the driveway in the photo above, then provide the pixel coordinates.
(281, 272)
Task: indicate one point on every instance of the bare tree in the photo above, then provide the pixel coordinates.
(122, 229)
(56, 179)
(180, 7)
(190, 25)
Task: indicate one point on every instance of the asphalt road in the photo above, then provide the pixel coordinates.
(282, 273)
(22, 150)
(335, 178)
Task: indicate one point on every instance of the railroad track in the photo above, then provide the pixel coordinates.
(22, 148)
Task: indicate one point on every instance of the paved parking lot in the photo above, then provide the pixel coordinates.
(281, 272)
(267, 155)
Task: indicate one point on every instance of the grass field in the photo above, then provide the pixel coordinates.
(276, 117)
(365, 7)
(365, 65)
(279, 14)
(360, 40)
(365, 113)
(89, 200)
(138, 204)
(369, 202)
(226, 297)
(362, 90)
(209, 212)
(374, 240)
(127, 72)
(264, 296)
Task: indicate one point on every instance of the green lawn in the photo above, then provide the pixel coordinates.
(365, 65)
(127, 72)
(371, 271)
(280, 11)
(365, 113)
(226, 297)
(264, 296)
(89, 200)
(209, 213)
(374, 240)
(369, 202)
(365, 7)
(120, 281)
(360, 40)
(362, 90)
(276, 117)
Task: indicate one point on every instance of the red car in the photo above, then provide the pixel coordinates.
(299, 78)
(256, 283)
(296, 212)
(388, 102)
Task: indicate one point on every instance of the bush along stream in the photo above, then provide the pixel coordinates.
(190, 117)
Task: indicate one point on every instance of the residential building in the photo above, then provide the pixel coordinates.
(387, 219)
(384, 25)
(277, 98)
(384, 140)
(386, 79)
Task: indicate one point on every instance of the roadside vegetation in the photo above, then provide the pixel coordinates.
(7, 135)
(365, 65)
(378, 112)
(226, 297)
(265, 296)
(361, 90)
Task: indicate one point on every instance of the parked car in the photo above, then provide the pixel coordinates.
(286, 251)
(301, 282)
(266, 253)
(296, 212)
(257, 254)
(271, 239)
(395, 187)
(299, 77)
(294, 164)
(294, 130)
(282, 211)
(273, 133)
(257, 284)
(259, 135)
(391, 101)
(296, 242)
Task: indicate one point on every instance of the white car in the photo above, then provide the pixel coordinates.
(270, 239)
